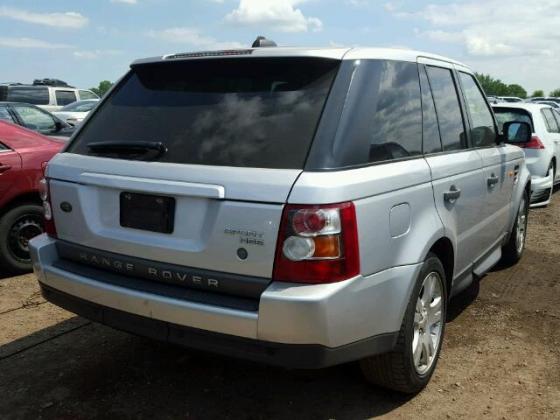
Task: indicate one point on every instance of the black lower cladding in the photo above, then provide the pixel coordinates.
(178, 275)
(302, 356)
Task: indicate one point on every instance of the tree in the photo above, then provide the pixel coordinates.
(537, 93)
(555, 92)
(516, 90)
(102, 89)
(496, 87)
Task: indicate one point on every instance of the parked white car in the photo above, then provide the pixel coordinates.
(47, 97)
(542, 153)
(75, 112)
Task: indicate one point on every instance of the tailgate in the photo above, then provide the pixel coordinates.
(217, 211)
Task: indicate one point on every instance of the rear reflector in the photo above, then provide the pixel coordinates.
(317, 244)
(44, 192)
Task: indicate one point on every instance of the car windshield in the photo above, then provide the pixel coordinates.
(249, 112)
(504, 115)
(79, 106)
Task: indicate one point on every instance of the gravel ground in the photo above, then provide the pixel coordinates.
(501, 359)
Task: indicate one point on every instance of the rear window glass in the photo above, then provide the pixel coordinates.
(249, 112)
(29, 94)
(504, 115)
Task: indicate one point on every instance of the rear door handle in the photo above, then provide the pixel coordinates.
(493, 180)
(4, 168)
(453, 194)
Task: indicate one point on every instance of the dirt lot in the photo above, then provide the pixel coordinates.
(501, 359)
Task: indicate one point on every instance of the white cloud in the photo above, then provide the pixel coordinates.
(274, 14)
(517, 41)
(71, 20)
(94, 54)
(125, 1)
(8, 42)
(192, 37)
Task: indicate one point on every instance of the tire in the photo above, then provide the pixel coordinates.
(398, 370)
(17, 226)
(513, 249)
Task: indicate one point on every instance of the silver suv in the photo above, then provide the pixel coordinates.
(300, 207)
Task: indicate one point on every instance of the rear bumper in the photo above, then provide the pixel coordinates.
(293, 325)
(540, 190)
(302, 356)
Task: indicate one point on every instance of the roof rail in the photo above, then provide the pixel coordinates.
(51, 82)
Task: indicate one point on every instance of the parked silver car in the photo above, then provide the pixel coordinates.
(300, 207)
(75, 112)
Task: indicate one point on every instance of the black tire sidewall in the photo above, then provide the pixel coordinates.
(431, 264)
(7, 261)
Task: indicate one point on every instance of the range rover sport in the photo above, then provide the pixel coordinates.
(300, 207)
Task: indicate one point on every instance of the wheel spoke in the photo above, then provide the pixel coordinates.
(417, 349)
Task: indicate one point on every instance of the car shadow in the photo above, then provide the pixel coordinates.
(81, 369)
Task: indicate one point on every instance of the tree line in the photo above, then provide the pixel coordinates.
(495, 87)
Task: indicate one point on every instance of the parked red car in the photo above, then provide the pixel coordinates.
(23, 155)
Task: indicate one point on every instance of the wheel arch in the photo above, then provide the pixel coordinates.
(444, 250)
(29, 197)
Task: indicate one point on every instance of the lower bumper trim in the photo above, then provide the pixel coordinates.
(301, 356)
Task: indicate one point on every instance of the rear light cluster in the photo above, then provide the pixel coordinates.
(44, 193)
(534, 143)
(317, 244)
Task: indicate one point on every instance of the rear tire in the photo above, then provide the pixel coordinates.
(513, 249)
(404, 369)
(17, 226)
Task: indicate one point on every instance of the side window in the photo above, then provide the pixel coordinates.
(3, 147)
(550, 121)
(36, 119)
(86, 94)
(5, 115)
(483, 132)
(36, 95)
(65, 97)
(396, 127)
(431, 142)
(448, 108)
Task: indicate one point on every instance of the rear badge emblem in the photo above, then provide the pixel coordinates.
(242, 253)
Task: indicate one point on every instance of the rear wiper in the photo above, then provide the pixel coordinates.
(144, 150)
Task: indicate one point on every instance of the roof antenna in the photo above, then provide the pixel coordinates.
(261, 41)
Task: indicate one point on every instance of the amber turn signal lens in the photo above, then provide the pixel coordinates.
(327, 246)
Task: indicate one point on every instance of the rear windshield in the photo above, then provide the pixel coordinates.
(248, 112)
(29, 94)
(504, 115)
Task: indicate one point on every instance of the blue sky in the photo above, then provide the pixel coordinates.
(85, 41)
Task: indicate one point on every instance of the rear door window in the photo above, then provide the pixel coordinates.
(504, 115)
(483, 133)
(448, 109)
(86, 94)
(248, 112)
(35, 119)
(550, 121)
(5, 115)
(36, 95)
(65, 97)
(396, 112)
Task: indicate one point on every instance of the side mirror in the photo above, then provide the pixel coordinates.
(517, 132)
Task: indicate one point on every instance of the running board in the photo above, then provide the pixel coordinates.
(487, 263)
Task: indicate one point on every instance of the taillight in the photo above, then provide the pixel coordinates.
(317, 244)
(534, 143)
(44, 193)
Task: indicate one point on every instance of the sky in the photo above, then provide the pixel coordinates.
(86, 41)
